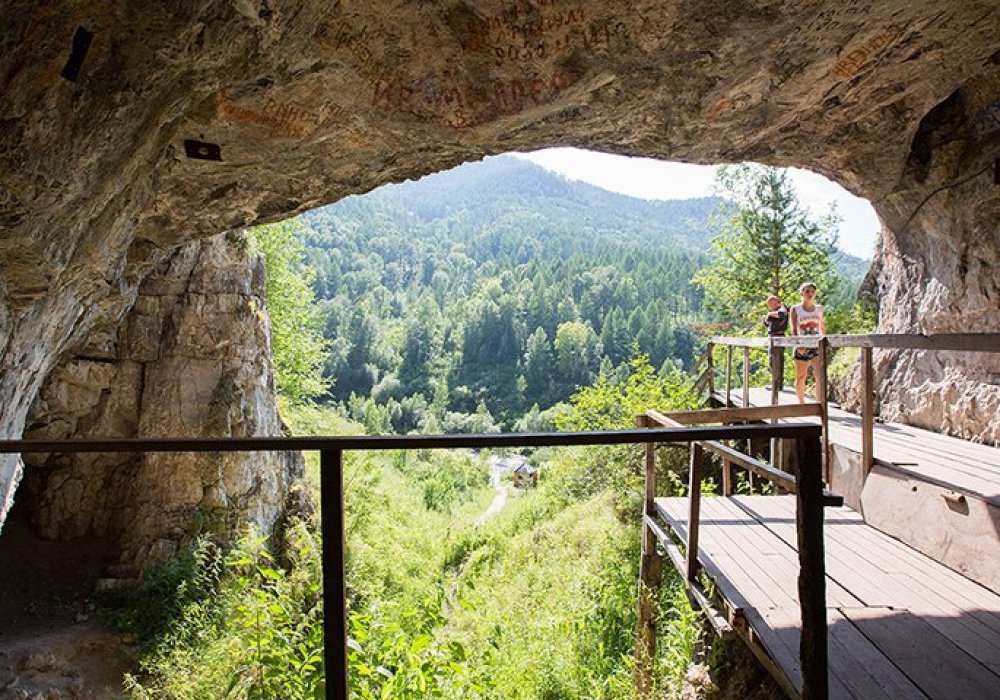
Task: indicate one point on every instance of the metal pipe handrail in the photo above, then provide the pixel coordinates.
(332, 448)
(407, 442)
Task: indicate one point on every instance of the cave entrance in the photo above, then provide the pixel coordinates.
(46, 584)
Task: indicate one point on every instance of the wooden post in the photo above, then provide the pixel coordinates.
(694, 508)
(812, 568)
(777, 380)
(867, 414)
(729, 374)
(331, 479)
(821, 396)
(650, 577)
(746, 399)
(727, 477)
(746, 377)
(710, 371)
(648, 509)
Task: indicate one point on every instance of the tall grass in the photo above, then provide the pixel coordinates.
(539, 602)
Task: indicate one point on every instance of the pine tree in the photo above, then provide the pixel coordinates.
(766, 245)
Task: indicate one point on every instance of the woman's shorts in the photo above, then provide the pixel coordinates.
(805, 354)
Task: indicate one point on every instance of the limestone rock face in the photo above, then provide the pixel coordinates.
(191, 358)
(127, 129)
(937, 269)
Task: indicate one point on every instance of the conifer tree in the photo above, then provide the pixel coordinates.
(766, 244)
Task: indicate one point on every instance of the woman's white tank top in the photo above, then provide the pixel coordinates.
(808, 320)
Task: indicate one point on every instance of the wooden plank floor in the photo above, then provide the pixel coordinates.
(950, 462)
(900, 624)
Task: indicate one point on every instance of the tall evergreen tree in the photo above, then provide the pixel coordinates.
(766, 244)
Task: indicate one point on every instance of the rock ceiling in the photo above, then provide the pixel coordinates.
(128, 128)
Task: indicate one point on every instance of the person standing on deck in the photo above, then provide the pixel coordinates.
(776, 321)
(807, 319)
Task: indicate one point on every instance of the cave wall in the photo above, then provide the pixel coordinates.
(190, 358)
(937, 269)
(128, 129)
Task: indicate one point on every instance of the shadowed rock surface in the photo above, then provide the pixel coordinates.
(128, 129)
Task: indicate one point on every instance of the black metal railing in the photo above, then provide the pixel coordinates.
(331, 451)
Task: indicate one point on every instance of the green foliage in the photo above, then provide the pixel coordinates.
(858, 318)
(445, 478)
(470, 299)
(611, 404)
(297, 345)
(258, 636)
(538, 602)
(766, 245)
(178, 590)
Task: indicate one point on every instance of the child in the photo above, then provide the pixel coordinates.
(776, 321)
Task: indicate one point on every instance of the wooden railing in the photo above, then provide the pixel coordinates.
(811, 497)
(332, 450)
(955, 342)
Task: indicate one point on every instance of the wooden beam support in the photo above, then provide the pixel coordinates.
(823, 360)
(732, 415)
(694, 509)
(727, 477)
(812, 569)
(710, 369)
(722, 624)
(774, 355)
(867, 414)
(729, 375)
(650, 578)
(746, 377)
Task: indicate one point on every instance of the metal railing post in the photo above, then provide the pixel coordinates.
(334, 570)
(812, 569)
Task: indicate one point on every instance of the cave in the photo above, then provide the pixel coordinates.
(139, 141)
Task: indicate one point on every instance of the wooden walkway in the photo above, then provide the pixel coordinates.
(950, 463)
(900, 624)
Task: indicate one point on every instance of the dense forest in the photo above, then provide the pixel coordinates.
(469, 297)
(494, 296)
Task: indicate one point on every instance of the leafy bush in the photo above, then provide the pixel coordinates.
(259, 636)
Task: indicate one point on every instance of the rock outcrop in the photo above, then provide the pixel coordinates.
(191, 358)
(127, 129)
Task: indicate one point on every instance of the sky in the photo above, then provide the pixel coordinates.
(646, 178)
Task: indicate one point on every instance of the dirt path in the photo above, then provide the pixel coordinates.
(499, 500)
(53, 643)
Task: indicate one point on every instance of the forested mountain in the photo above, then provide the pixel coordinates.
(468, 296)
(497, 285)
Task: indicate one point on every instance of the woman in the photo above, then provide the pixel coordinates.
(807, 319)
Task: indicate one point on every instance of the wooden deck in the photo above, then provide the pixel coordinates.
(959, 465)
(901, 625)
